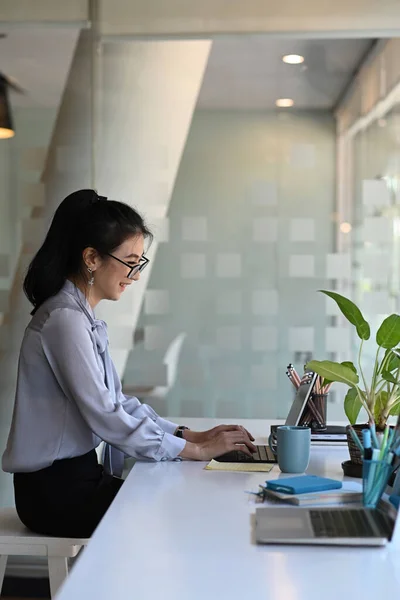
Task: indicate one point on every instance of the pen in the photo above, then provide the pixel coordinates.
(384, 443)
(390, 438)
(389, 458)
(356, 440)
(395, 445)
(373, 435)
(367, 444)
(375, 454)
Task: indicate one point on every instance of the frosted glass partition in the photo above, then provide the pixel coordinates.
(251, 240)
(242, 201)
(376, 232)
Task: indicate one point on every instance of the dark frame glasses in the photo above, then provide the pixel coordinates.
(135, 269)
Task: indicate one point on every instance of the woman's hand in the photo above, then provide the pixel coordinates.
(198, 437)
(217, 441)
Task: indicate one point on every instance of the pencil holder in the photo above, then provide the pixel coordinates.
(314, 413)
(376, 475)
(320, 402)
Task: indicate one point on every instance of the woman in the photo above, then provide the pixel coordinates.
(68, 394)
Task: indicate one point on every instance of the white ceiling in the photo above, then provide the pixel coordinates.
(247, 73)
(39, 59)
(244, 72)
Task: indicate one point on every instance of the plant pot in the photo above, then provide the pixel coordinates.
(354, 451)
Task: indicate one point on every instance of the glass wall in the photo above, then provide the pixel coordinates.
(242, 200)
(376, 225)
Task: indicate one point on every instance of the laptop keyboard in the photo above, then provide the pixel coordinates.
(263, 454)
(342, 523)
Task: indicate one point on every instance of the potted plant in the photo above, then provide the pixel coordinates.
(380, 395)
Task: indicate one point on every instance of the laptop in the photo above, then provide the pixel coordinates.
(263, 453)
(326, 526)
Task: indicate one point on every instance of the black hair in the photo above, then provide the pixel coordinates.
(82, 220)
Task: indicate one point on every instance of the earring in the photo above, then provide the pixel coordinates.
(91, 280)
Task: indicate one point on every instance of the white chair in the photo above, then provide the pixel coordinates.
(17, 540)
(171, 360)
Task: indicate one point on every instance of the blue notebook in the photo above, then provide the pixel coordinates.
(303, 484)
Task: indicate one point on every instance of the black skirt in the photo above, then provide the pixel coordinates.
(67, 499)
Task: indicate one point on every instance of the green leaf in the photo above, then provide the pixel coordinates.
(394, 361)
(352, 405)
(380, 403)
(352, 314)
(346, 363)
(395, 410)
(388, 334)
(333, 371)
(351, 366)
(387, 376)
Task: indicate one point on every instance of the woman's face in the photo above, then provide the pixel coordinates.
(110, 275)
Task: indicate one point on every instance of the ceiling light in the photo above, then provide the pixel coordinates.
(293, 59)
(284, 102)
(345, 227)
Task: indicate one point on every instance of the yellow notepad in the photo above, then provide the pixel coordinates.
(213, 465)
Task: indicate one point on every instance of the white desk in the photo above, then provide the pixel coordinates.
(177, 531)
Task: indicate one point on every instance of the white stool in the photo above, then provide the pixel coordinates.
(17, 540)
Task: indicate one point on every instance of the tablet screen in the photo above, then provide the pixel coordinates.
(300, 400)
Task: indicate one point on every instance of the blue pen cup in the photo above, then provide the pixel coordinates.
(376, 475)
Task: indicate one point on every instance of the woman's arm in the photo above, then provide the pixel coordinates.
(69, 348)
(135, 408)
(201, 445)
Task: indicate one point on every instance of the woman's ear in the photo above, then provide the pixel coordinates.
(91, 258)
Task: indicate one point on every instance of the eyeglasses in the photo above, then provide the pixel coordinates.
(133, 269)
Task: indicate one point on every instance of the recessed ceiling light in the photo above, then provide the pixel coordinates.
(284, 102)
(293, 59)
(345, 227)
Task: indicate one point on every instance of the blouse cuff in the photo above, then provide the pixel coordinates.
(165, 425)
(170, 447)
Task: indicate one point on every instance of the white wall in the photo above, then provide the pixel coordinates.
(69, 160)
(24, 11)
(5, 181)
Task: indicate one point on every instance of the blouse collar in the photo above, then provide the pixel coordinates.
(99, 328)
(76, 293)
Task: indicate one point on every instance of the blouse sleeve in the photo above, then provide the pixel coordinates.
(134, 407)
(70, 351)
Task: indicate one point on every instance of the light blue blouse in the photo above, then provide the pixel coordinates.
(63, 407)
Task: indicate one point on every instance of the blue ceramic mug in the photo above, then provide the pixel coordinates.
(292, 448)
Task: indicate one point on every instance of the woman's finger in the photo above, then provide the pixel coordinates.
(240, 437)
(243, 448)
(237, 428)
(248, 433)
